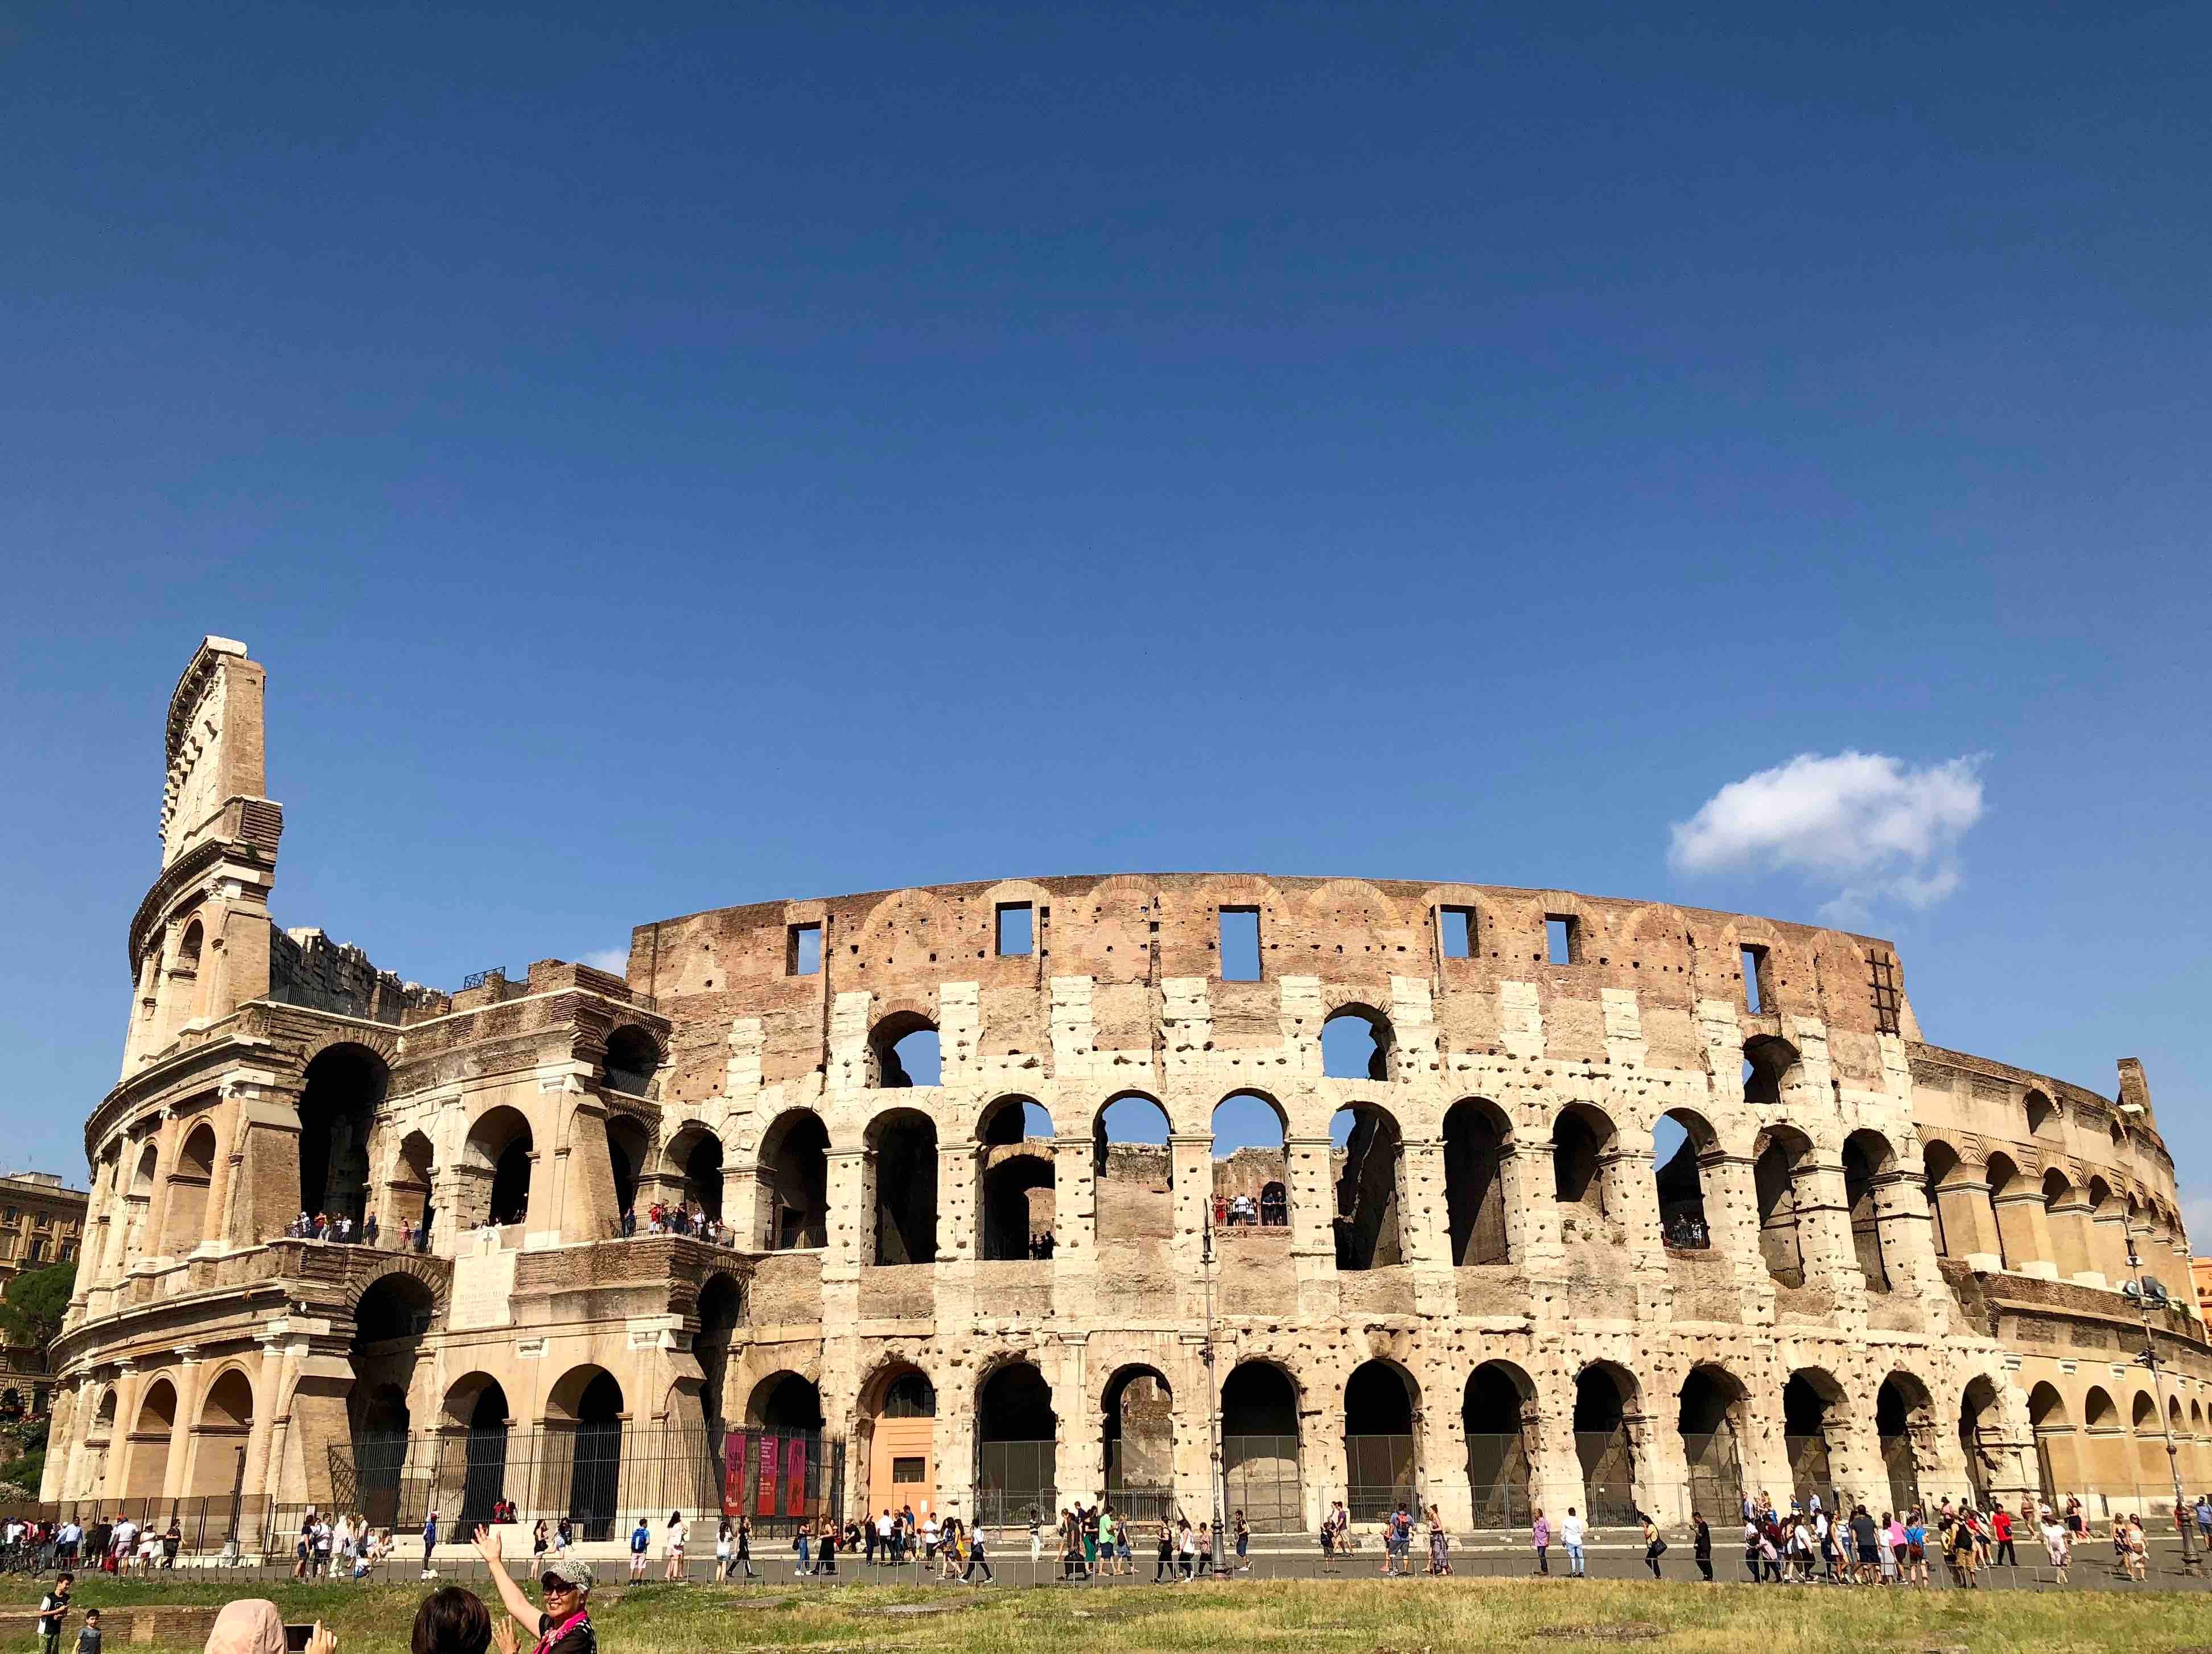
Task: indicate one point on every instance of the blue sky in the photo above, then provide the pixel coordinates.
(686, 457)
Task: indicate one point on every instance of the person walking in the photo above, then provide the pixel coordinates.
(1571, 1536)
(677, 1535)
(2000, 1526)
(429, 1546)
(1540, 1541)
(53, 1613)
(744, 1543)
(2057, 1546)
(723, 1543)
(1037, 1541)
(1701, 1545)
(1243, 1543)
(1654, 1546)
(1439, 1545)
(1166, 1571)
(977, 1559)
(641, 1541)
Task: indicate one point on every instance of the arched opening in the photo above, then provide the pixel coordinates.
(1015, 1179)
(187, 959)
(1682, 1143)
(903, 1146)
(1867, 1157)
(586, 1404)
(898, 1420)
(702, 1176)
(633, 1058)
(786, 1403)
(1016, 1457)
(147, 1470)
(795, 1176)
(1582, 1146)
(381, 1424)
(2066, 1217)
(2040, 1111)
(721, 1311)
(185, 1224)
(1260, 1446)
(628, 1144)
(1138, 1432)
(344, 1088)
(1250, 1163)
(1498, 1416)
(1603, 1396)
(906, 1050)
(218, 1451)
(2056, 1468)
(1978, 1422)
(1710, 1418)
(1366, 1148)
(1783, 1152)
(2110, 1468)
(2012, 1200)
(1806, 1402)
(2150, 1448)
(407, 1197)
(1939, 1165)
(496, 1169)
(1767, 1068)
(1134, 1175)
(1380, 1454)
(1478, 1140)
(1356, 1043)
(478, 1406)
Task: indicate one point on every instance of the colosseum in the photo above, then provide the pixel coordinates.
(920, 1197)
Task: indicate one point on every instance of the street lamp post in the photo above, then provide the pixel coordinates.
(1213, 1385)
(2184, 1518)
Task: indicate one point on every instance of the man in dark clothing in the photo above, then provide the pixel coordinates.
(54, 1610)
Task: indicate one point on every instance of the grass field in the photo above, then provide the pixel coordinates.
(1272, 1617)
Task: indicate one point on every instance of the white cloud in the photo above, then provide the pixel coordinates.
(615, 960)
(1870, 827)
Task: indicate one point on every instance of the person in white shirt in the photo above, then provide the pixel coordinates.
(885, 1525)
(1571, 1536)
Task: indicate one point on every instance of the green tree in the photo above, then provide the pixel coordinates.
(31, 1309)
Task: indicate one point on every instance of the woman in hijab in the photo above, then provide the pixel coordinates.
(252, 1626)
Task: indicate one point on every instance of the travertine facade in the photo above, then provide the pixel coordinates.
(1489, 1254)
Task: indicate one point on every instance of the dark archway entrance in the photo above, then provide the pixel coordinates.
(1381, 1455)
(1497, 1414)
(344, 1088)
(1016, 1452)
(1259, 1447)
(1602, 1446)
(1138, 1435)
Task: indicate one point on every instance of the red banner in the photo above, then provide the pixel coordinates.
(766, 1504)
(794, 1456)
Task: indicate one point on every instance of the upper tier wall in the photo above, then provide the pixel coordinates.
(1131, 933)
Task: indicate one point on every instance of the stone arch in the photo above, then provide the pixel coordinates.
(1133, 1175)
(786, 1402)
(1017, 1438)
(894, 1431)
(1370, 1151)
(1682, 1164)
(901, 1038)
(2039, 1110)
(1357, 1043)
(2011, 1193)
(795, 1182)
(902, 1175)
(585, 1407)
(1262, 1444)
(1784, 1152)
(219, 1439)
(1712, 1417)
(1905, 1426)
(146, 1463)
(183, 1224)
(629, 1155)
(497, 1160)
(1812, 1399)
(2145, 1425)
(1477, 1144)
(1978, 1420)
(1869, 1161)
(407, 1192)
(1255, 1167)
(1137, 1439)
(1607, 1397)
(1585, 1147)
(1382, 1439)
(2057, 1469)
(631, 1060)
(1498, 1420)
(692, 1159)
(344, 1087)
(1770, 1067)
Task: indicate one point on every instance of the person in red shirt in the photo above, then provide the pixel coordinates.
(2001, 1524)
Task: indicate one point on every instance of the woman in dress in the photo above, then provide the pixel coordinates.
(1439, 1545)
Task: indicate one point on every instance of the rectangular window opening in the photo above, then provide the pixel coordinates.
(1756, 993)
(1458, 924)
(1562, 938)
(1240, 944)
(908, 1470)
(1016, 929)
(802, 950)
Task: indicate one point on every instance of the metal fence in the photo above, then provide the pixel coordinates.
(1011, 1477)
(1378, 1475)
(1498, 1479)
(597, 1474)
(1608, 1475)
(1261, 1474)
